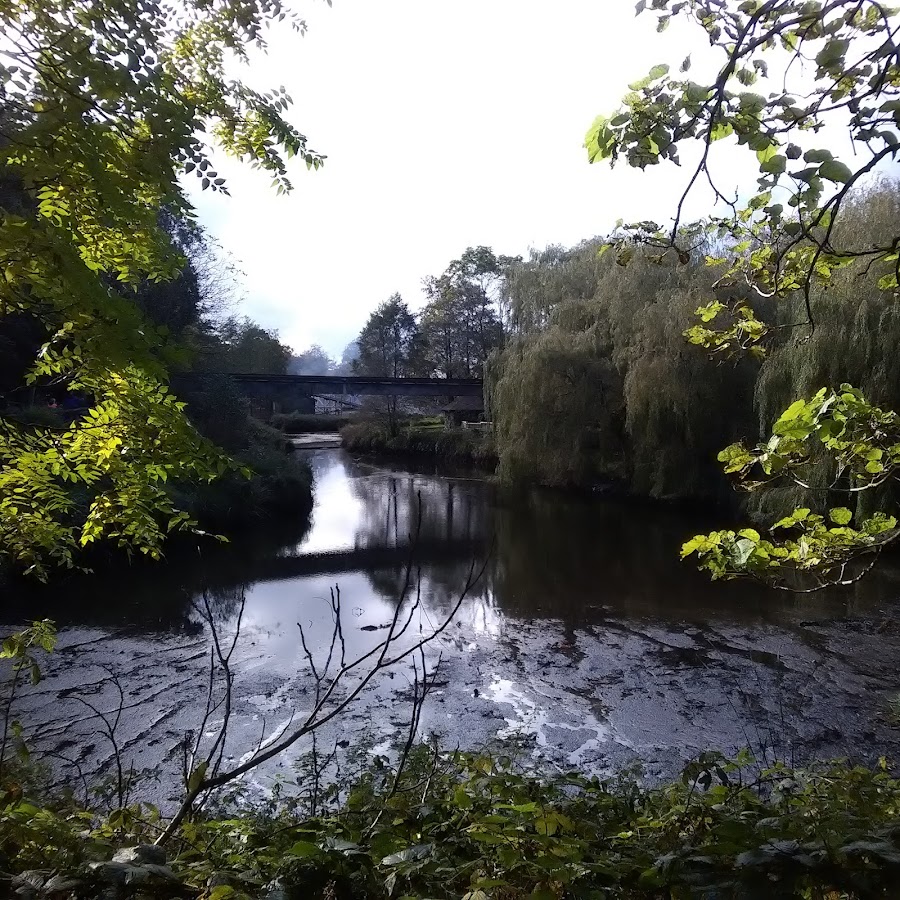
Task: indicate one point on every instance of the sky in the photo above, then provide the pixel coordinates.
(446, 125)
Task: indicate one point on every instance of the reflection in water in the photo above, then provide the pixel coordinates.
(579, 559)
(584, 631)
(545, 555)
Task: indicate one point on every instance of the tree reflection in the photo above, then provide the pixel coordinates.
(400, 506)
(445, 523)
(153, 596)
(552, 555)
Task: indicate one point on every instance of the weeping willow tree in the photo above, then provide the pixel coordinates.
(855, 339)
(557, 401)
(835, 70)
(598, 384)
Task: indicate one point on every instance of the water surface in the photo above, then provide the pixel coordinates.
(584, 636)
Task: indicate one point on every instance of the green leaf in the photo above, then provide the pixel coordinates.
(304, 849)
(840, 515)
(410, 854)
(221, 892)
(641, 83)
(834, 170)
(197, 776)
(832, 53)
(775, 165)
(767, 152)
(461, 798)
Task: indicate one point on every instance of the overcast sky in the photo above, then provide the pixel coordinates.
(446, 125)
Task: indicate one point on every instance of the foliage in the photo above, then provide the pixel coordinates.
(597, 385)
(863, 445)
(851, 84)
(271, 481)
(459, 323)
(130, 443)
(297, 423)
(242, 347)
(833, 67)
(312, 361)
(105, 106)
(22, 649)
(450, 444)
(21, 645)
(279, 488)
(464, 825)
(390, 343)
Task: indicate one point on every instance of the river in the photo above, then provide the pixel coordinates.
(584, 640)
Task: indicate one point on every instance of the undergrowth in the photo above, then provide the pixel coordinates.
(299, 423)
(420, 440)
(474, 826)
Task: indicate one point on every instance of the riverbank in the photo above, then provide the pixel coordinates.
(432, 441)
(309, 423)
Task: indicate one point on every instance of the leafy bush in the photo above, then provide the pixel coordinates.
(279, 483)
(44, 416)
(455, 444)
(299, 423)
(473, 826)
(598, 385)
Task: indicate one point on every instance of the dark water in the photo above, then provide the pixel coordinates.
(584, 635)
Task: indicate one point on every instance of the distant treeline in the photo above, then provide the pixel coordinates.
(596, 381)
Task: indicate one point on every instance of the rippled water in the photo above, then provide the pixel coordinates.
(584, 636)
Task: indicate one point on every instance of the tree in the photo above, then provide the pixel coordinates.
(835, 66)
(485, 271)
(313, 361)
(442, 319)
(240, 346)
(391, 346)
(533, 288)
(105, 107)
(459, 321)
(597, 385)
(349, 356)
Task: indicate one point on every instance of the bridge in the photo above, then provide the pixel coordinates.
(297, 392)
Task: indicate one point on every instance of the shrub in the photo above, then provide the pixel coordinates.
(44, 416)
(280, 484)
(474, 826)
(452, 444)
(299, 423)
